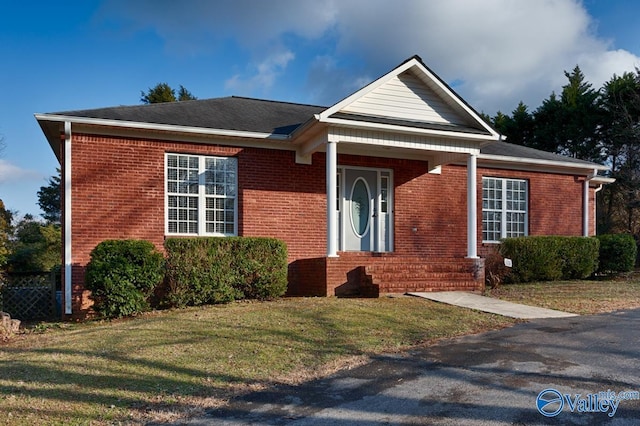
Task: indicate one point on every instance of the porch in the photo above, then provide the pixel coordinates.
(368, 274)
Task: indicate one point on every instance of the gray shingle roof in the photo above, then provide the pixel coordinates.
(518, 151)
(229, 113)
(273, 117)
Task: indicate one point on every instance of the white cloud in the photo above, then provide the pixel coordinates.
(11, 173)
(264, 74)
(497, 51)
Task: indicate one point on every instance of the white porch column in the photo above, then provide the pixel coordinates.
(585, 208)
(332, 194)
(472, 207)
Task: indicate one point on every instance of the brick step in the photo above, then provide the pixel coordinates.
(421, 283)
(401, 259)
(419, 267)
(421, 276)
(441, 286)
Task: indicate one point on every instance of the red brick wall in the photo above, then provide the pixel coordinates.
(118, 192)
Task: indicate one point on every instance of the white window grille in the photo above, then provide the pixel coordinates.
(504, 209)
(201, 195)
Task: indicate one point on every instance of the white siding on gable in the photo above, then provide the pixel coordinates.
(405, 97)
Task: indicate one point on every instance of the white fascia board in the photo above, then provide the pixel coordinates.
(407, 129)
(159, 127)
(505, 160)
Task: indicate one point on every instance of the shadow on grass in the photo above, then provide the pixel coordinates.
(107, 366)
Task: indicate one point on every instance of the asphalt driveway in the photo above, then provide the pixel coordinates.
(491, 378)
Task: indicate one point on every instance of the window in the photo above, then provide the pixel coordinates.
(504, 208)
(384, 192)
(201, 195)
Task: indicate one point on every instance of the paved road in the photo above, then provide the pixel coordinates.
(491, 378)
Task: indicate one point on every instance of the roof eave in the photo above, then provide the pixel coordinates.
(158, 127)
(523, 161)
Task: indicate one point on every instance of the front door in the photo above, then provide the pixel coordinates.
(365, 213)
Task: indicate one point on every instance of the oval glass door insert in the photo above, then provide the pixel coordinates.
(360, 202)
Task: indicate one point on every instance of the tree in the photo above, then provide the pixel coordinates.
(162, 92)
(185, 95)
(5, 232)
(35, 246)
(620, 201)
(49, 199)
(582, 118)
(518, 128)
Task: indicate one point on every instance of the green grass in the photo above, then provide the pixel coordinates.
(165, 365)
(580, 297)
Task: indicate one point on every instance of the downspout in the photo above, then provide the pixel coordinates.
(67, 218)
(585, 203)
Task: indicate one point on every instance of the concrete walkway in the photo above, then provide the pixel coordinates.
(489, 304)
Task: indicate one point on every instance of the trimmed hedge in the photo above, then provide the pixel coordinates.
(122, 275)
(617, 253)
(548, 258)
(203, 271)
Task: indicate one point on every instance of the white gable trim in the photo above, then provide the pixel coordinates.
(368, 88)
(425, 74)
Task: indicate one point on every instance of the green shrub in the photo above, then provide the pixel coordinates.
(549, 258)
(122, 275)
(579, 257)
(217, 270)
(617, 253)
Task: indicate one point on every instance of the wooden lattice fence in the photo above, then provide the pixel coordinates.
(29, 297)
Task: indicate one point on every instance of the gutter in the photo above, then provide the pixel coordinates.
(533, 161)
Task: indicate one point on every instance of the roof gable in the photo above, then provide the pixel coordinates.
(415, 96)
(405, 97)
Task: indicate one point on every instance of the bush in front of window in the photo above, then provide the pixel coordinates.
(122, 275)
(549, 258)
(617, 253)
(214, 270)
(261, 268)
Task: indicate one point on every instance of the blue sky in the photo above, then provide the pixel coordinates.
(66, 55)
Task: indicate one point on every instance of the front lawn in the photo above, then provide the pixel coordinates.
(580, 297)
(168, 365)
(165, 365)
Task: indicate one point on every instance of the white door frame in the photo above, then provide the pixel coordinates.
(384, 214)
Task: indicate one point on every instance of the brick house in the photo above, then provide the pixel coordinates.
(399, 187)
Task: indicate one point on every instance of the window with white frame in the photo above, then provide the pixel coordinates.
(504, 208)
(201, 195)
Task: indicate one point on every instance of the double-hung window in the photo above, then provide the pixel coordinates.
(201, 195)
(504, 208)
